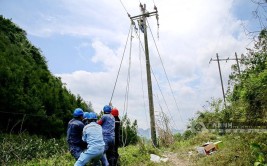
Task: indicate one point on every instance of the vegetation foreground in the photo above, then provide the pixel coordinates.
(237, 149)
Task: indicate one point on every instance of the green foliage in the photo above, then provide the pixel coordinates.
(246, 102)
(236, 149)
(259, 152)
(188, 134)
(234, 152)
(177, 137)
(137, 155)
(128, 131)
(202, 138)
(131, 155)
(249, 95)
(18, 149)
(213, 112)
(64, 159)
(31, 98)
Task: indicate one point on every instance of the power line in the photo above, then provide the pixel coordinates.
(162, 112)
(219, 67)
(124, 8)
(120, 64)
(143, 17)
(165, 71)
(164, 99)
(158, 83)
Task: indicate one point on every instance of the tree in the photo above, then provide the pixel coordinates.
(129, 131)
(31, 98)
(164, 132)
(250, 88)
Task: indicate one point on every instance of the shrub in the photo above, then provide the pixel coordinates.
(137, 155)
(188, 134)
(177, 137)
(128, 131)
(21, 148)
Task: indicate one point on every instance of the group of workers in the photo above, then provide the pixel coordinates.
(91, 140)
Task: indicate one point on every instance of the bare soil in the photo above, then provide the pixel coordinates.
(177, 160)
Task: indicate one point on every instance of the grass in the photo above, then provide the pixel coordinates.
(56, 160)
(238, 149)
(19, 149)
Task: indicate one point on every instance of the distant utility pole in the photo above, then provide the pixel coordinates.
(237, 63)
(142, 24)
(218, 60)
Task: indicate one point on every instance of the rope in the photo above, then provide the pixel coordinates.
(161, 109)
(124, 8)
(120, 64)
(127, 87)
(165, 72)
(128, 78)
(164, 99)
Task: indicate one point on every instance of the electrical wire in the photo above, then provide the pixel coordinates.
(124, 7)
(164, 99)
(120, 64)
(154, 3)
(157, 97)
(156, 81)
(165, 71)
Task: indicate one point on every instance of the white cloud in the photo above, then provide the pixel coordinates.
(191, 32)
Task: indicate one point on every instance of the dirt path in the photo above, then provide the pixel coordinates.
(176, 160)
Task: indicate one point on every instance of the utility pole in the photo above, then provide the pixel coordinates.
(218, 60)
(237, 63)
(142, 23)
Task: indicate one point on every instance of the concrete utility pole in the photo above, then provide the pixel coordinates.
(237, 63)
(142, 23)
(218, 60)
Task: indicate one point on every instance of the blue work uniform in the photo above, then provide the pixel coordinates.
(113, 155)
(92, 134)
(74, 137)
(108, 126)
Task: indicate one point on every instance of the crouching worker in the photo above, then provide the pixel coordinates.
(74, 134)
(92, 134)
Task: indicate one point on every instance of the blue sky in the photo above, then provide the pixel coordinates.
(83, 42)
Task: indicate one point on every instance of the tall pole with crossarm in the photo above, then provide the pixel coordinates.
(142, 19)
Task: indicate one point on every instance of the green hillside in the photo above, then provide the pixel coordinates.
(31, 98)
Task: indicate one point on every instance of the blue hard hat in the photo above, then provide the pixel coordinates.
(85, 114)
(107, 109)
(78, 112)
(90, 115)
